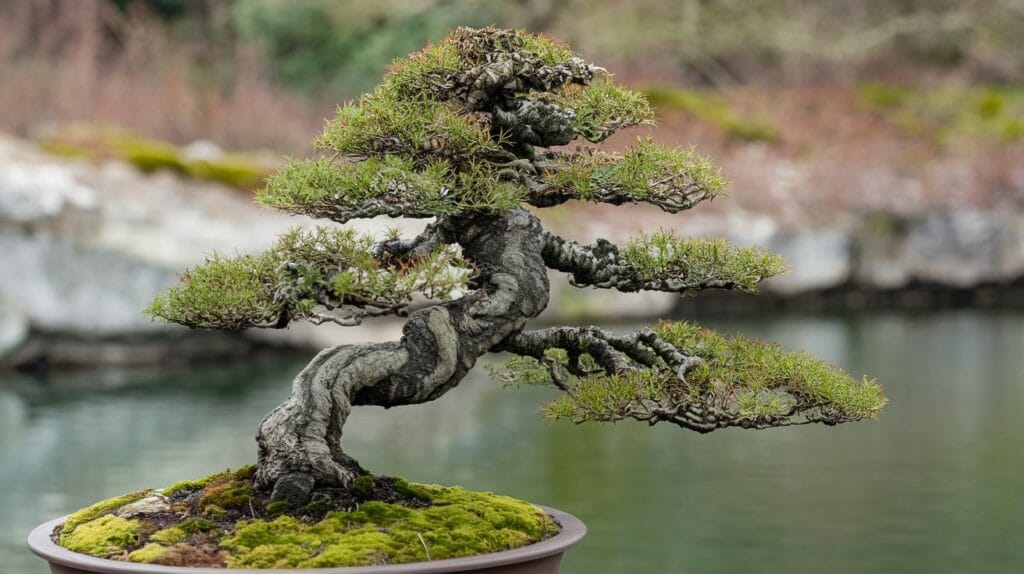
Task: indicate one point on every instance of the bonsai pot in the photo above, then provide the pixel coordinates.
(540, 558)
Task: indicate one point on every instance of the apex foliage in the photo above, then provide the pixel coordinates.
(453, 131)
(451, 121)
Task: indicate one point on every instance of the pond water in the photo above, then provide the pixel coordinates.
(935, 485)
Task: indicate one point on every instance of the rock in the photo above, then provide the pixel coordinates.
(965, 248)
(818, 259)
(956, 249)
(85, 247)
(70, 286)
(34, 193)
(295, 488)
(14, 330)
(203, 150)
(155, 504)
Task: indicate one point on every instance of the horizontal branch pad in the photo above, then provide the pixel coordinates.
(663, 261)
(325, 274)
(724, 381)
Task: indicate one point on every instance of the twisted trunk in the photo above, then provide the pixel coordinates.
(299, 442)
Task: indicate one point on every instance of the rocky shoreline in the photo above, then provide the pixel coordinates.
(84, 248)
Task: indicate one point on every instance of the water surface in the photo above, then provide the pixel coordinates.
(935, 485)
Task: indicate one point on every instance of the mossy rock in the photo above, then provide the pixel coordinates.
(220, 520)
(92, 142)
(715, 111)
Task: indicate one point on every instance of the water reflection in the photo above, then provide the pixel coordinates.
(934, 486)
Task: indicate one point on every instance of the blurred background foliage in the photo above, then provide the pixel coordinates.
(262, 73)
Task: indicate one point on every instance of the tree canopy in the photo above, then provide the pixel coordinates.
(466, 132)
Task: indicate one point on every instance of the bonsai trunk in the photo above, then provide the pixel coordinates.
(299, 441)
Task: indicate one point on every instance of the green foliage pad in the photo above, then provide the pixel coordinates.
(733, 382)
(668, 258)
(300, 275)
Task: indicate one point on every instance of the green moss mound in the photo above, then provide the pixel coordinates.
(93, 142)
(221, 521)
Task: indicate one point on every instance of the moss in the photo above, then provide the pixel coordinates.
(230, 169)
(1012, 129)
(363, 486)
(150, 155)
(951, 111)
(411, 490)
(883, 95)
(227, 496)
(444, 521)
(148, 554)
(459, 523)
(101, 536)
(169, 536)
(191, 485)
(278, 507)
(99, 143)
(215, 511)
(315, 508)
(714, 111)
(195, 525)
(97, 510)
(217, 493)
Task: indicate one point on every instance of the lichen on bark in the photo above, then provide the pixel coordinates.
(464, 132)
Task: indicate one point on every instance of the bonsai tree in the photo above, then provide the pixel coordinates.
(469, 132)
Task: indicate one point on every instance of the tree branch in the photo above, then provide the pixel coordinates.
(677, 266)
(402, 251)
(613, 353)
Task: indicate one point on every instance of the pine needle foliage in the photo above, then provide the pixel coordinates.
(754, 367)
(737, 382)
(604, 107)
(664, 256)
(414, 128)
(305, 275)
(551, 51)
(670, 177)
(386, 185)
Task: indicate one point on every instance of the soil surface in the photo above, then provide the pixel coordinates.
(221, 521)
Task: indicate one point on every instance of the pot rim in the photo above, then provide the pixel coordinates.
(571, 533)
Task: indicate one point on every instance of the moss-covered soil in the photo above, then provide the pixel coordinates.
(220, 521)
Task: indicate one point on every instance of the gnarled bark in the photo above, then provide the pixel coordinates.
(299, 442)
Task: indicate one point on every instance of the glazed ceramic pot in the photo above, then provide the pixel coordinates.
(540, 558)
